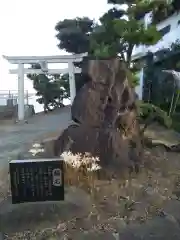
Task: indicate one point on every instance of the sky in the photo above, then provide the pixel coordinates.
(27, 29)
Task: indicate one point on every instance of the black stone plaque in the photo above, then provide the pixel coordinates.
(36, 180)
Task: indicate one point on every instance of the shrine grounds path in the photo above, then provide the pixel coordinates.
(15, 137)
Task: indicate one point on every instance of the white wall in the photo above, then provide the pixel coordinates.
(139, 88)
(167, 40)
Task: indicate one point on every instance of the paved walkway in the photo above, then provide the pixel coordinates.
(15, 137)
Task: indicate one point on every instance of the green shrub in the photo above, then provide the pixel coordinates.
(152, 113)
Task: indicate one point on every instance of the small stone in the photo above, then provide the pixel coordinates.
(62, 227)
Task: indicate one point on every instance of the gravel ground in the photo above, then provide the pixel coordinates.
(147, 208)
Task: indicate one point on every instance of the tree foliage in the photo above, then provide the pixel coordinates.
(116, 34)
(160, 9)
(150, 113)
(120, 30)
(74, 34)
(50, 89)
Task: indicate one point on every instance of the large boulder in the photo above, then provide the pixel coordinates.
(108, 93)
(107, 144)
(86, 107)
(105, 110)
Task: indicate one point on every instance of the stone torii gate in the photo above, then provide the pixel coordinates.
(43, 61)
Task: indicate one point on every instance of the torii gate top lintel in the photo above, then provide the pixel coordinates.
(48, 59)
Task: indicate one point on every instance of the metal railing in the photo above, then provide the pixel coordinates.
(11, 96)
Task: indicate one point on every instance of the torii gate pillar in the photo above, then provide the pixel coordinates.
(72, 83)
(21, 112)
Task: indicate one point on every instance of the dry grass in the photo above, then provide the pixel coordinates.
(134, 198)
(116, 202)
